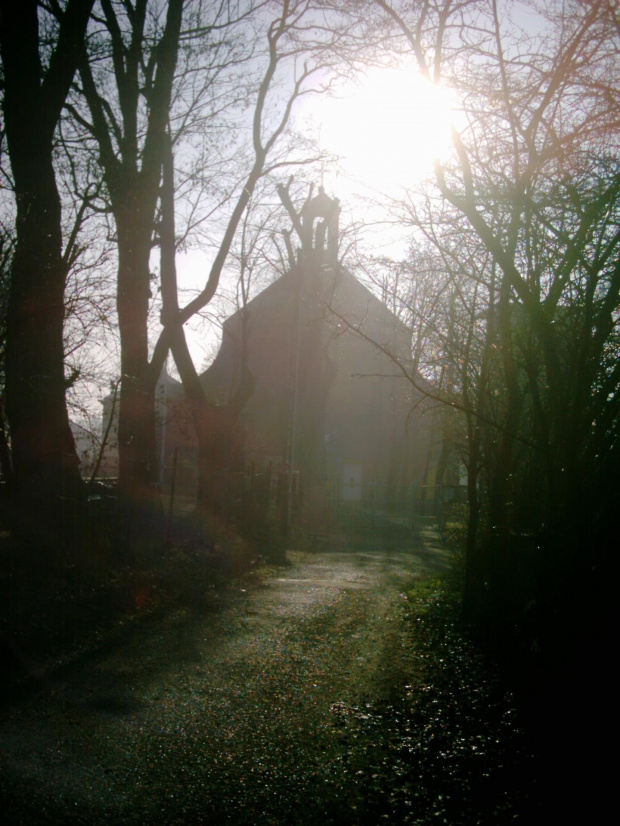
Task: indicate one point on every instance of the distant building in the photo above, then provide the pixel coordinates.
(174, 434)
(330, 404)
(331, 401)
(87, 446)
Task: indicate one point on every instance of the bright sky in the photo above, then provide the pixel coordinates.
(388, 129)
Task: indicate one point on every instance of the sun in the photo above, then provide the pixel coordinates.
(389, 129)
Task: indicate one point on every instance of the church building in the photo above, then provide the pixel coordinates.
(329, 406)
(331, 401)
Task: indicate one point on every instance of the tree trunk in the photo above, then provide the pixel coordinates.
(138, 472)
(46, 473)
(473, 596)
(45, 464)
(131, 156)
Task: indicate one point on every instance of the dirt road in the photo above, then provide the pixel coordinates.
(244, 715)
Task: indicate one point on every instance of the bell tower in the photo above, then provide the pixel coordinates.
(319, 229)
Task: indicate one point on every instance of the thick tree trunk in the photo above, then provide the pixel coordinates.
(136, 437)
(138, 472)
(218, 433)
(132, 176)
(45, 462)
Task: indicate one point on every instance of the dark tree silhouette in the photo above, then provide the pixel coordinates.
(36, 84)
(527, 225)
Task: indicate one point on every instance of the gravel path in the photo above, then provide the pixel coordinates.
(245, 715)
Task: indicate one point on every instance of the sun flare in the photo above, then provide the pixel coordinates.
(390, 129)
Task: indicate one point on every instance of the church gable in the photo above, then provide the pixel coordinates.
(324, 398)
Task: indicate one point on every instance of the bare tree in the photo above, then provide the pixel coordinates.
(532, 194)
(291, 36)
(36, 84)
(128, 118)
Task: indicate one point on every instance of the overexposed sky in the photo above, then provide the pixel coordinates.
(387, 130)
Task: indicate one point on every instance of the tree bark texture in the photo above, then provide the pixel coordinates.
(136, 434)
(45, 461)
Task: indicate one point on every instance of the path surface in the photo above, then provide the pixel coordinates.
(240, 715)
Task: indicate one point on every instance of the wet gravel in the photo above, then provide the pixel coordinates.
(319, 696)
